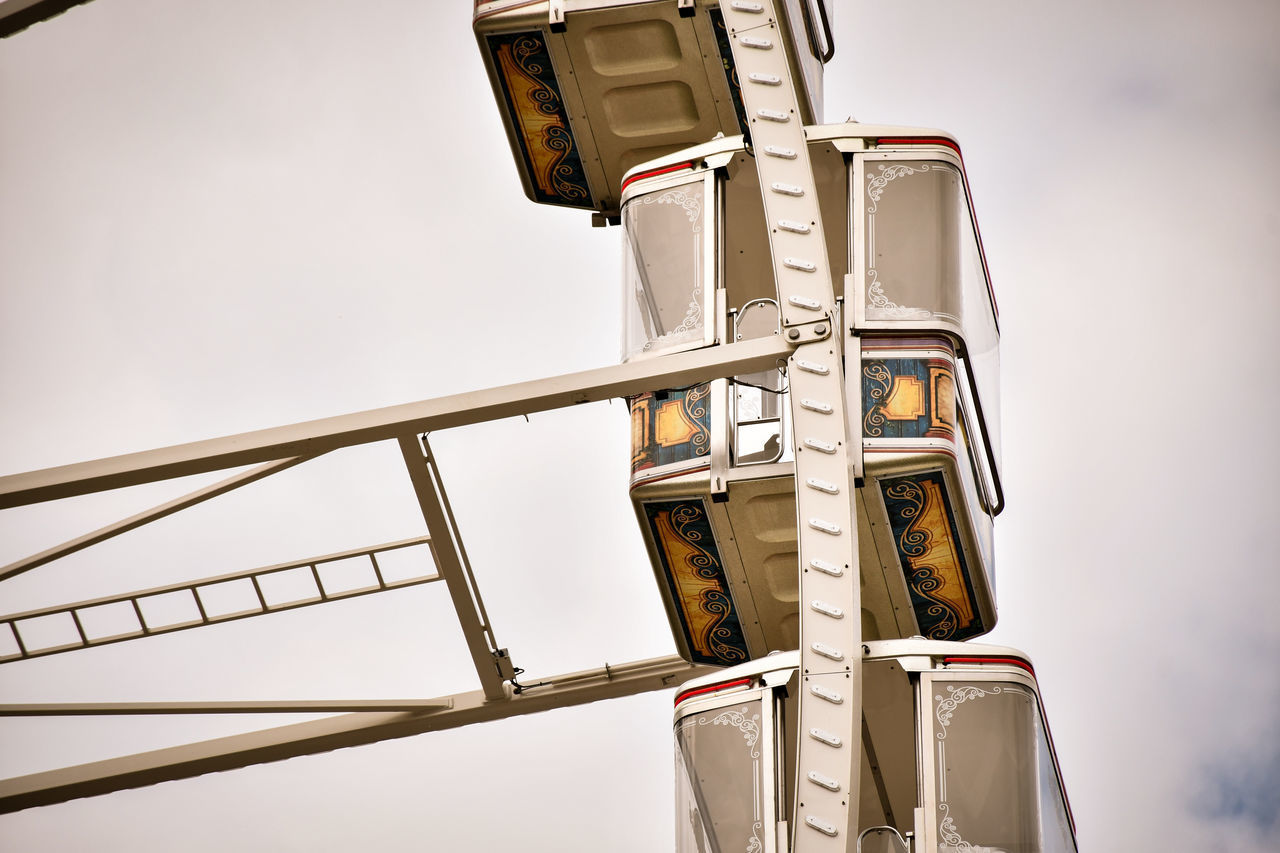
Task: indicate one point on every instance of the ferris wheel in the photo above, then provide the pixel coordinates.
(811, 374)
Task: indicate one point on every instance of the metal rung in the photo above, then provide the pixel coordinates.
(208, 601)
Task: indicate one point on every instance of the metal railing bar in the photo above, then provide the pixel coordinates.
(230, 576)
(137, 609)
(75, 617)
(206, 620)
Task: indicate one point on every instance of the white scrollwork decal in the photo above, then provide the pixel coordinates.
(943, 711)
(750, 728)
(947, 707)
(691, 203)
(877, 183)
(879, 306)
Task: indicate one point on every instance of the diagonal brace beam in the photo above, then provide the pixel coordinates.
(133, 522)
(446, 546)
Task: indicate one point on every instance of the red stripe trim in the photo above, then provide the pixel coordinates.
(919, 140)
(698, 691)
(1043, 719)
(655, 172)
(1014, 661)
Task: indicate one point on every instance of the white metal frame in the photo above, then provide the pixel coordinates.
(830, 596)
(500, 696)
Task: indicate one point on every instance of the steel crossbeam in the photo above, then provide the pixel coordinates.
(312, 438)
(357, 729)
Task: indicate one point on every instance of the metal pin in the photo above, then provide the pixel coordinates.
(821, 825)
(825, 781)
(822, 486)
(825, 736)
(824, 526)
(826, 568)
(812, 367)
(827, 609)
(827, 651)
(826, 693)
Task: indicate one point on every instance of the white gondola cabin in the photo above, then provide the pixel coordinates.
(712, 465)
(589, 89)
(956, 755)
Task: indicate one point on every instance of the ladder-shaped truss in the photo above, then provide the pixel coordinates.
(214, 600)
(828, 757)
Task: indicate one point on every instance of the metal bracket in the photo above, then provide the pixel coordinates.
(555, 15)
(686, 8)
(819, 330)
(506, 669)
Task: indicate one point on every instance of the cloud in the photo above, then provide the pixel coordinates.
(1244, 789)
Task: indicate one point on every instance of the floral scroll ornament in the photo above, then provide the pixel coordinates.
(528, 53)
(695, 404)
(877, 373)
(687, 519)
(750, 728)
(691, 203)
(943, 710)
(879, 306)
(914, 542)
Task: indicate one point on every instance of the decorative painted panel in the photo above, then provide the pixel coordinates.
(669, 426)
(696, 579)
(536, 110)
(730, 70)
(928, 544)
(909, 398)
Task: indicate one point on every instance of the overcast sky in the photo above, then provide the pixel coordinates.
(220, 215)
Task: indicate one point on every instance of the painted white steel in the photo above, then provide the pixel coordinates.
(315, 437)
(829, 568)
(825, 818)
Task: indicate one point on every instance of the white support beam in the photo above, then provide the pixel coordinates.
(17, 15)
(828, 754)
(282, 706)
(312, 438)
(229, 753)
(446, 546)
(133, 522)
